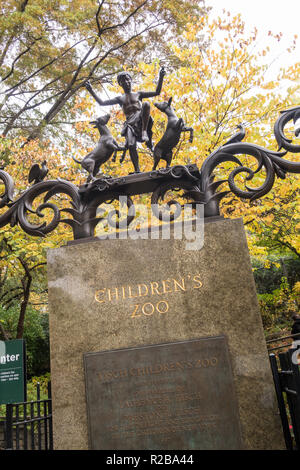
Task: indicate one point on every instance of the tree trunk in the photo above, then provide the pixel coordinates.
(20, 328)
(26, 283)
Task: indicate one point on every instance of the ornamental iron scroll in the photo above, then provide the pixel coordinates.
(197, 186)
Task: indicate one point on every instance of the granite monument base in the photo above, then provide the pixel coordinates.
(118, 294)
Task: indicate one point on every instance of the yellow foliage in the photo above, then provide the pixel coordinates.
(214, 88)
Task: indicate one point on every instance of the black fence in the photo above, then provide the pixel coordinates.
(28, 425)
(285, 366)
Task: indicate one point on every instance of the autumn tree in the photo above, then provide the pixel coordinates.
(49, 48)
(22, 257)
(217, 88)
(217, 78)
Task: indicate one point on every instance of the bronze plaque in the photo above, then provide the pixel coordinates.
(166, 396)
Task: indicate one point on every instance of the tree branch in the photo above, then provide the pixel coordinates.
(51, 62)
(16, 60)
(120, 25)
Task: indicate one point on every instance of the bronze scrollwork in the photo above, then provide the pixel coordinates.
(199, 186)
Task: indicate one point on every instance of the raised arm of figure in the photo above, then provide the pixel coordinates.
(149, 94)
(111, 102)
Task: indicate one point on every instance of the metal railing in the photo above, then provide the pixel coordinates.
(289, 338)
(285, 368)
(28, 425)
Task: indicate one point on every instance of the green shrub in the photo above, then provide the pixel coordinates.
(278, 307)
(36, 335)
(31, 392)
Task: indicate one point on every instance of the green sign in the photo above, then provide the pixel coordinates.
(12, 371)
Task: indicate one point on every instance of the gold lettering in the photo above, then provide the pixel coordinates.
(200, 284)
(154, 288)
(162, 306)
(181, 286)
(130, 294)
(123, 292)
(110, 294)
(150, 312)
(146, 289)
(98, 293)
(134, 314)
(140, 290)
(166, 287)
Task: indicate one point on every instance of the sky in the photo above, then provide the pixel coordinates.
(267, 15)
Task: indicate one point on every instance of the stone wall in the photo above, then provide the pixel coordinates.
(113, 294)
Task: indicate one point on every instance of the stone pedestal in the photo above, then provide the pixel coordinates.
(113, 294)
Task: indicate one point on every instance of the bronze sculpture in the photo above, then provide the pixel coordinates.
(138, 124)
(175, 126)
(37, 173)
(198, 185)
(107, 146)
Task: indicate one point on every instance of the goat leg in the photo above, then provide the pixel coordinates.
(123, 154)
(191, 131)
